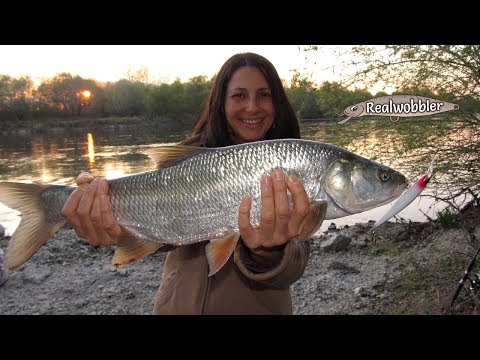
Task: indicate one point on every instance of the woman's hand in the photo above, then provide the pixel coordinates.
(278, 223)
(89, 211)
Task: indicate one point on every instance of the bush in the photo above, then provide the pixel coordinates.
(447, 218)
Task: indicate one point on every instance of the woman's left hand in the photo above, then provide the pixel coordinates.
(278, 223)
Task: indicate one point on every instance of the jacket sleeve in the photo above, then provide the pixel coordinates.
(278, 267)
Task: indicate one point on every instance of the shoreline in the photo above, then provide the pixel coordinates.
(80, 123)
(404, 268)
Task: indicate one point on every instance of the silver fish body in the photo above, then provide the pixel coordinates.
(195, 194)
(198, 198)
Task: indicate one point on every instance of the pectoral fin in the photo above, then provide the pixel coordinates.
(134, 249)
(219, 250)
(314, 219)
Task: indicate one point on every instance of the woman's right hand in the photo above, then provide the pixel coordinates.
(89, 211)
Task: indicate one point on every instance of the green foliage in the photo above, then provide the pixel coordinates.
(126, 98)
(448, 219)
(301, 94)
(334, 98)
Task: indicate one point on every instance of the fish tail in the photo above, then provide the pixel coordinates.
(41, 208)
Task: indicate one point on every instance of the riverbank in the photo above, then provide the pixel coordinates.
(47, 124)
(404, 268)
(32, 126)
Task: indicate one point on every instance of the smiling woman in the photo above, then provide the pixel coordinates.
(248, 105)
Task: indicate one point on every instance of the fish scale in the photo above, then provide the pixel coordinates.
(188, 199)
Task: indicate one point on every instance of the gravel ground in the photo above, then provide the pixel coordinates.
(359, 274)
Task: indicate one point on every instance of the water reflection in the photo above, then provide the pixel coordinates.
(58, 158)
(91, 149)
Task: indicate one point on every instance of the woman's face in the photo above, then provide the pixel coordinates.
(248, 105)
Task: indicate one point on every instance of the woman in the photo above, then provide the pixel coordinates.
(247, 103)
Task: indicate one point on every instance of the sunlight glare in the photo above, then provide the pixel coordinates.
(91, 151)
(113, 173)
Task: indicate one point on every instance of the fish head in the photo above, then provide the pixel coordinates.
(355, 184)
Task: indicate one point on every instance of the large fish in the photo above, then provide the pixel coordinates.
(194, 195)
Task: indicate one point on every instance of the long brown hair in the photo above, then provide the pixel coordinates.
(212, 128)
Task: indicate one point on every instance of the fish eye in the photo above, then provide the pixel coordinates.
(354, 107)
(384, 176)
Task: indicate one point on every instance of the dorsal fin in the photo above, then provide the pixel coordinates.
(168, 155)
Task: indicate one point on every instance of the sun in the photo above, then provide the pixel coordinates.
(86, 94)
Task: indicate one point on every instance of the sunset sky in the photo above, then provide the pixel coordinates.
(164, 62)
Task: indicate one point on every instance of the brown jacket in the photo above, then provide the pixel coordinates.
(247, 284)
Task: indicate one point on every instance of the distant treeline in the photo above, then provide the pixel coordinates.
(66, 96)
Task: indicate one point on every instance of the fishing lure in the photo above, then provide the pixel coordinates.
(408, 196)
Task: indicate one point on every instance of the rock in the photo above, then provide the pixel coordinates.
(36, 274)
(337, 242)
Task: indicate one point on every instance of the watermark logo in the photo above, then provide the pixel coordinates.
(398, 106)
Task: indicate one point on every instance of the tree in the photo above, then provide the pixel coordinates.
(303, 97)
(126, 98)
(197, 90)
(15, 95)
(64, 92)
